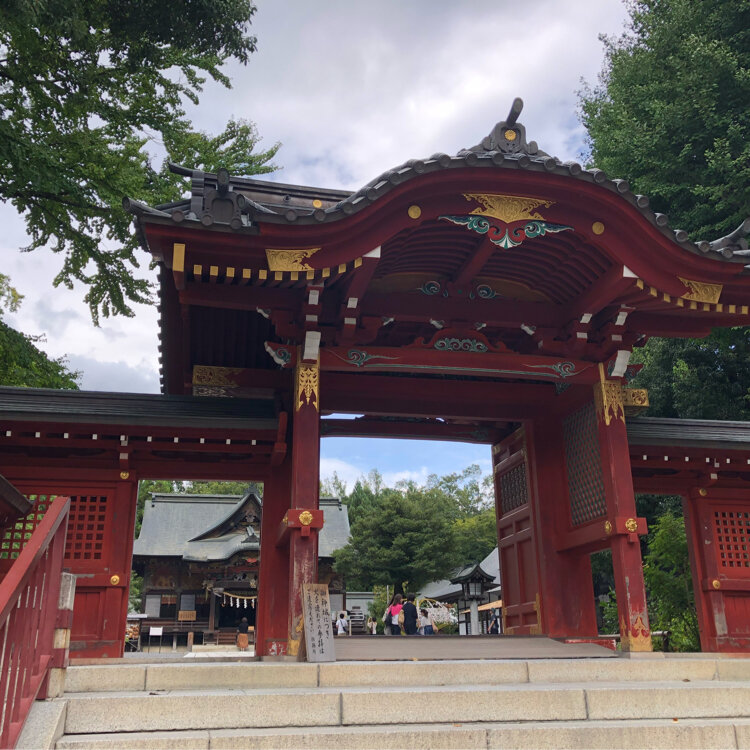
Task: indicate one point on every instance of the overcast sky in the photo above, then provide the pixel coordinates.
(351, 88)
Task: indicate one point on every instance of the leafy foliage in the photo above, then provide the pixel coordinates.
(22, 363)
(85, 87)
(406, 538)
(476, 536)
(671, 114)
(698, 378)
(414, 534)
(669, 583)
(135, 594)
(377, 607)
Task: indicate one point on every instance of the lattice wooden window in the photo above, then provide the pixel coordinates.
(15, 538)
(513, 491)
(732, 530)
(88, 516)
(584, 464)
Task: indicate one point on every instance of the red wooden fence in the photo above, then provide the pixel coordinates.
(29, 596)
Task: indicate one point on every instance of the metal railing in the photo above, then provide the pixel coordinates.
(29, 596)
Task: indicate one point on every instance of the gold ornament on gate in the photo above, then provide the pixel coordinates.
(308, 384)
(124, 474)
(607, 528)
(305, 518)
(716, 583)
(114, 580)
(631, 525)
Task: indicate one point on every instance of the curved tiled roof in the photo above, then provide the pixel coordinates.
(189, 526)
(254, 201)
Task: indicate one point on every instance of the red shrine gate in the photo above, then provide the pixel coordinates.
(494, 296)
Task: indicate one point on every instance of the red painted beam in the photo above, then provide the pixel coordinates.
(474, 264)
(494, 312)
(485, 364)
(603, 292)
(357, 393)
(242, 297)
(428, 430)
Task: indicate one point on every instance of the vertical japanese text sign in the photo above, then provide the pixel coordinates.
(318, 628)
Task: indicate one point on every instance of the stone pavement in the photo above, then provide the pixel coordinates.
(405, 648)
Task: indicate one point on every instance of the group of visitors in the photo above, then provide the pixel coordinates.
(402, 616)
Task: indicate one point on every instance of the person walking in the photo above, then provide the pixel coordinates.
(410, 615)
(494, 628)
(342, 624)
(426, 623)
(243, 641)
(392, 614)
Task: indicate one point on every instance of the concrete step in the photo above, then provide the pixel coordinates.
(329, 706)
(607, 735)
(259, 675)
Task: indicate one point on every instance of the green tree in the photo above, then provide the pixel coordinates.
(221, 487)
(135, 594)
(471, 492)
(406, 538)
(475, 535)
(22, 363)
(669, 583)
(698, 378)
(85, 87)
(671, 114)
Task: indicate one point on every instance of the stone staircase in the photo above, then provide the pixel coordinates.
(672, 702)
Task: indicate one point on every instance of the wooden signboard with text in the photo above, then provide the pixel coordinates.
(316, 606)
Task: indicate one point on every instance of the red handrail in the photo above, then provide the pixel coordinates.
(29, 596)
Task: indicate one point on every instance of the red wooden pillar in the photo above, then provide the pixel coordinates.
(566, 592)
(622, 523)
(273, 584)
(121, 559)
(303, 545)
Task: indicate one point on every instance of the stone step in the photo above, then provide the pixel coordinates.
(328, 706)
(573, 735)
(258, 675)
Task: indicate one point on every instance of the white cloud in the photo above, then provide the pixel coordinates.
(347, 472)
(391, 478)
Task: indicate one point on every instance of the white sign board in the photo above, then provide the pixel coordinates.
(318, 628)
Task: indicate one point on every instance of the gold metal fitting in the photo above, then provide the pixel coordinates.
(631, 525)
(510, 135)
(124, 475)
(114, 580)
(305, 518)
(607, 528)
(597, 227)
(716, 583)
(703, 492)
(414, 212)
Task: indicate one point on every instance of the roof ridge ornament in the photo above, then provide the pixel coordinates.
(734, 243)
(508, 136)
